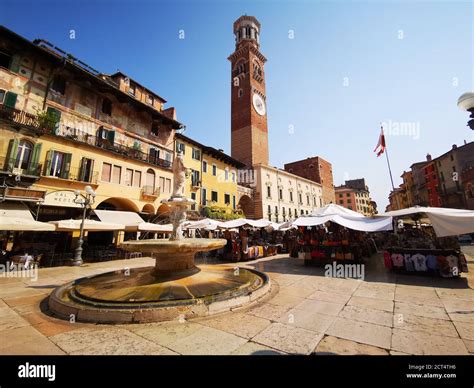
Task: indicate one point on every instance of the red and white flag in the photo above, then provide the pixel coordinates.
(380, 148)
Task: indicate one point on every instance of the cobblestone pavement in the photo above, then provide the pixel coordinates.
(383, 314)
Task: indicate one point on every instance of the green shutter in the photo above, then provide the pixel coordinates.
(66, 166)
(49, 159)
(15, 63)
(10, 99)
(12, 152)
(111, 136)
(33, 166)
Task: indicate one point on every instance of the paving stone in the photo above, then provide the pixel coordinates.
(286, 300)
(207, 340)
(395, 353)
(330, 297)
(469, 345)
(333, 345)
(363, 332)
(362, 314)
(423, 299)
(268, 311)
(19, 340)
(289, 339)
(463, 294)
(420, 310)
(243, 325)
(465, 330)
(462, 317)
(318, 306)
(164, 333)
(416, 323)
(302, 292)
(458, 306)
(307, 319)
(375, 293)
(426, 344)
(254, 349)
(12, 322)
(372, 303)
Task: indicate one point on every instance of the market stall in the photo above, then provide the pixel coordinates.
(431, 249)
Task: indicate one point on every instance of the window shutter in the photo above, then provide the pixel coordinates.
(10, 99)
(66, 166)
(111, 136)
(49, 158)
(12, 152)
(33, 167)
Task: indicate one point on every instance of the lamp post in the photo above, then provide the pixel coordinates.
(85, 201)
(466, 102)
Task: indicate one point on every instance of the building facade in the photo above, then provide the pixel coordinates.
(281, 196)
(63, 126)
(212, 178)
(318, 170)
(354, 195)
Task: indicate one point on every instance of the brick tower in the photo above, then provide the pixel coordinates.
(249, 138)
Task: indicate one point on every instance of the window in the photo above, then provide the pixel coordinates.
(348, 201)
(214, 196)
(240, 93)
(226, 174)
(23, 155)
(291, 196)
(281, 194)
(162, 184)
(233, 177)
(195, 178)
(300, 197)
(341, 202)
(10, 100)
(193, 197)
(269, 192)
(269, 210)
(214, 170)
(58, 164)
(168, 185)
(204, 197)
(234, 205)
(150, 178)
(5, 60)
(196, 154)
(87, 167)
(302, 212)
(59, 85)
(276, 209)
(150, 100)
(107, 106)
(180, 147)
(155, 129)
(2, 95)
(227, 199)
(128, 177)
(106, 172)
(307, 200)
(340, 195)
(116, 174)
(154, 155)
(204, 166)
(348, 194)
(132, 89)
(137, 179)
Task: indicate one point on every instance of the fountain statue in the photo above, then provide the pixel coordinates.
(174, 287)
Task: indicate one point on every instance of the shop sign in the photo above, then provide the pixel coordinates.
(63, 198)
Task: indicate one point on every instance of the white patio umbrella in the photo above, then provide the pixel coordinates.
(90, 225)
(16, 217)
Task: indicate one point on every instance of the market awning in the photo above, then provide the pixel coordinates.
(90, 225)
(17, 217)
(445, 221)
(132, 221)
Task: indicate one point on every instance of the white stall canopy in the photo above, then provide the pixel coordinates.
(132, 221)
(90, 225)
(346, 218)
(17, 217)
(445, 221)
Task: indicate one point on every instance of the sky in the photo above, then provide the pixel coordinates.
(336, 70)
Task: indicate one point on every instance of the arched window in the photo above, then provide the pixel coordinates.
(23, 155)
(150, 178)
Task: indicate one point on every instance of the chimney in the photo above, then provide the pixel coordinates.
(428, 157)
(465, 142)
(454, 146)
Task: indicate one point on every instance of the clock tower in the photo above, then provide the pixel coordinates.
(249, 136)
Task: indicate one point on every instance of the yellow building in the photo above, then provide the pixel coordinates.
(212, 178)
(64, 126)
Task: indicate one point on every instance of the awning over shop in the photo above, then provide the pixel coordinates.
(90, 225)
(345, 217)
(17, 217)
(445, 221)
(132, 221)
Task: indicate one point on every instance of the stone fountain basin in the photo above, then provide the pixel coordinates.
(174, 255)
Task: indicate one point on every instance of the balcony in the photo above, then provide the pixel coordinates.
(31, 121)
(73, 174)
(11, 166)
(150, 192)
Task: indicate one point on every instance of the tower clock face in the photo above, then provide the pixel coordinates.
(258, 104)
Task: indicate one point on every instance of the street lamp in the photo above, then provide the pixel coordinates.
(466, 102)
(86, 202)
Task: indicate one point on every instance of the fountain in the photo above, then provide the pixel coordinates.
(175, 288)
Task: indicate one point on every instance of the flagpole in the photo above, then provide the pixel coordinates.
(388, 165)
